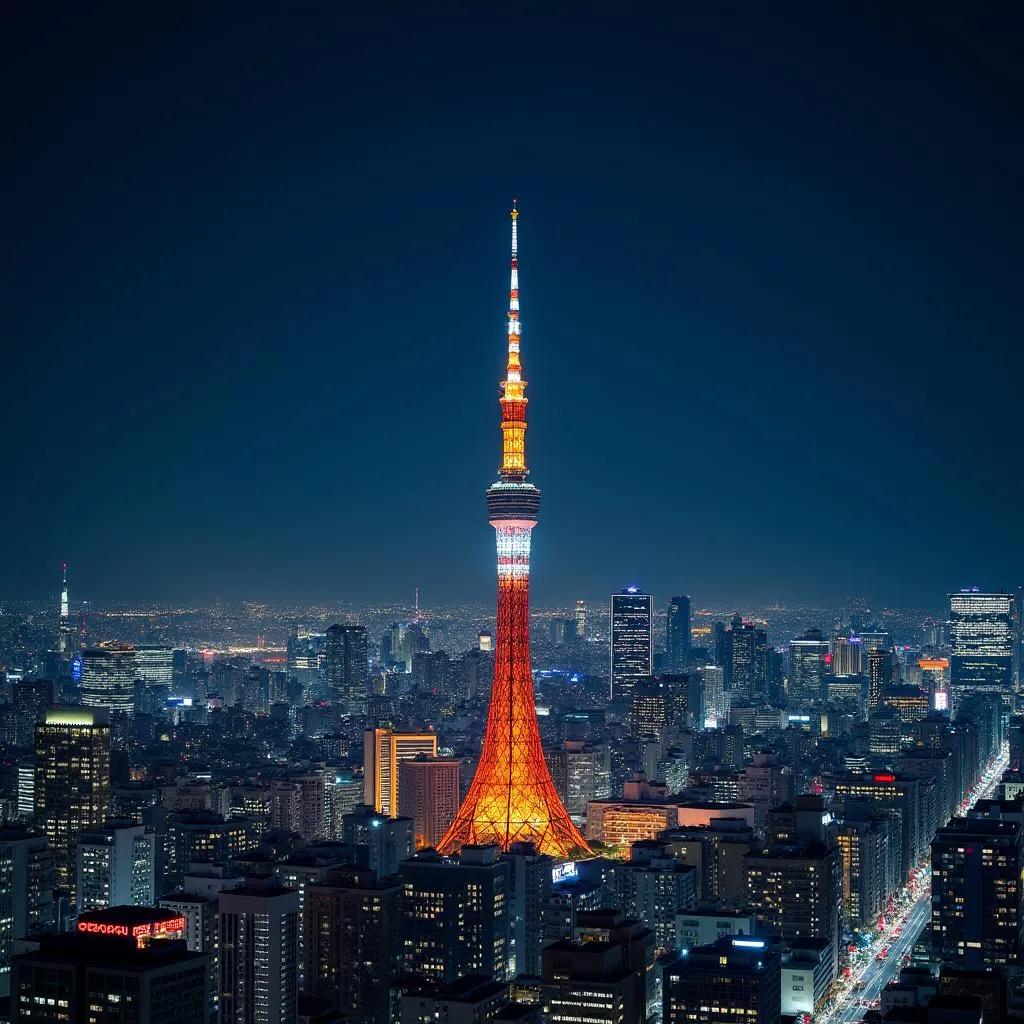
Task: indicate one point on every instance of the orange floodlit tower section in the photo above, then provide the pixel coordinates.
(512, 798)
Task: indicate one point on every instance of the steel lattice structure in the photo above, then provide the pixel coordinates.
(512, 798)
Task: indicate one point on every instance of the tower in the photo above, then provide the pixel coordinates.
(64, 632)
(512, 798)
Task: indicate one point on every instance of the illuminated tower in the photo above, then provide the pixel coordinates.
(512, 798)
(65, 620)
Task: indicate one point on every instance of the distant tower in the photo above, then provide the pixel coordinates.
(512, 798)
(64, 633)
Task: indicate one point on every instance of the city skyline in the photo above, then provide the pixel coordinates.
(227, 360)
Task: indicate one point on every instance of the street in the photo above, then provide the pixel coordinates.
(909, 921)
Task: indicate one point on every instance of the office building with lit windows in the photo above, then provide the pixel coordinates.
(348, 668)
(383, 750)
(72, 787)
(977, 898)
(632, 641)
(455, 914)
(259, 953)
(982, 634)
(115, 867)
(353, 949)
(746, 662)
(731, 979)
(108, 677)
(809, 661)
(27, 879)
(899, 793)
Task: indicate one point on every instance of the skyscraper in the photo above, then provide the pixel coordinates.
(581, 619)
(879, 675)
(383, 750)
(108, 677)
(512, 797)
(632, 646)
(72, 791)
(808, 657)
(746, 661)
(982, 637)
(348, 668)
(677, 636)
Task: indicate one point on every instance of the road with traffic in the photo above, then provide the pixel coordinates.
(881, 962)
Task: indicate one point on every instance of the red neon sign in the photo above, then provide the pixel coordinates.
(885, 778)
(139, 931)
(101, 928)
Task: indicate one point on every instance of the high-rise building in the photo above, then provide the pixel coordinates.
(677, 635)
(428, 793)
(115, 867)
(715, 983)
(297, 805)
(531, 878)
(977, 895)
(72, 790)
(982, 639)
(348, 668)
(383, 751)
(746, 661)
(512, 798)
(846, 655)
(581, 619)
(456, 914)
(120, 964)
(879, 675)
(27, 879)
(388, 841)
(581, 772)
(108, 677)
(31, 698)
(259, 954)
(809, 657)
(632, 641)
(353, 950)
(654, 887)
(885, 731)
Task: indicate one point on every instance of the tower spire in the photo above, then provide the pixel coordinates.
(513, 387)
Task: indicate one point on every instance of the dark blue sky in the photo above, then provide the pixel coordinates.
(255, 272)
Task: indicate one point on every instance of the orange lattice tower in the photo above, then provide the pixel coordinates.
(512, 798)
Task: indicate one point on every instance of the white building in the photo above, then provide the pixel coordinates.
(115, 867)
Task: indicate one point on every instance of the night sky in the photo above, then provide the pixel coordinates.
(254, 277)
